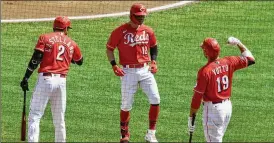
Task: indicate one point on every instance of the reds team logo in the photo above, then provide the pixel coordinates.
(142, 9)
(133, 40)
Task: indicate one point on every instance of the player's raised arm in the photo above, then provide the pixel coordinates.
(244, 50)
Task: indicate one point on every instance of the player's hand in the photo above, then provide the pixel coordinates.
(233, 41)
(153, 67)
(24, 84)
(118, 71)
(190, 127)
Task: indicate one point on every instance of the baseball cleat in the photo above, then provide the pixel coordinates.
(150, 136)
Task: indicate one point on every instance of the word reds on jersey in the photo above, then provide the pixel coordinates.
(132, 43)
(137, 48)
(59, 50)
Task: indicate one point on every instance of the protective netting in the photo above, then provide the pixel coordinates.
(94, 92)
(46, 9)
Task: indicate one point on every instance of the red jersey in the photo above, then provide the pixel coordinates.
(133, 44)
(215, 78)
(58, 51)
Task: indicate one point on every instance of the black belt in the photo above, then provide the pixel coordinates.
(216, 102)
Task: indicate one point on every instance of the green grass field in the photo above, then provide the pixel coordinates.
(93, 91)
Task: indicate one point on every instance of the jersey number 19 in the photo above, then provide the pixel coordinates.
(222, 83)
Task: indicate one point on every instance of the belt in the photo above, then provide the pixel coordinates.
(135, 65)
(216, 102)
(50, 74)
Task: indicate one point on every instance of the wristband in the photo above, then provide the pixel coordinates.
(113, 62)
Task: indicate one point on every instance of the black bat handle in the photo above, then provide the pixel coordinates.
(23, 122)
(193, 119)
(190, 137)
(192, 123)
(24, 104)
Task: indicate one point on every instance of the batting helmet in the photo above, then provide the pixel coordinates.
(211, 48)
(61, 22)
(139, 10)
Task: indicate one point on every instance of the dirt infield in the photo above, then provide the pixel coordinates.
(46, 9)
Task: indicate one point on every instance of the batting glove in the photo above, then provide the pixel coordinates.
(24, 84)
(233, 41)
(190, 127)
(118, 71)
(153, 67)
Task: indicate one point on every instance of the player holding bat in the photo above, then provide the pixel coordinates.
(54, 52)
(213, 87)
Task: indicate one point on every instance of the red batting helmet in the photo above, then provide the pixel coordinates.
(137, 9)
(61, 22)
(211, 48)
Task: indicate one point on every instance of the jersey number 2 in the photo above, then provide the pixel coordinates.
(223, 83)
(61, 50)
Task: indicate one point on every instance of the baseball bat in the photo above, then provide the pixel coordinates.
(192, 123)
(23, 122)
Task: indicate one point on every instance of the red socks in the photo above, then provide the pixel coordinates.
(153, 116)
(125, 117)
(124, 120)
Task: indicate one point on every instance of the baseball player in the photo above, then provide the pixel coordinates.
(137, 48)
(54, 52)
(213, 87)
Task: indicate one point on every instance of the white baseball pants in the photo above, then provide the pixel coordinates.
(216, 118)
(130, 82)
(53, 89)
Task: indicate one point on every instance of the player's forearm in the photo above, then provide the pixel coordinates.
(111, 57)
(154, 53)
(242, 47)
(195, 104)
(28, 73)
(193, 112)
(33, 63)
(80, 62)
(244, 50)
(246, 53)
